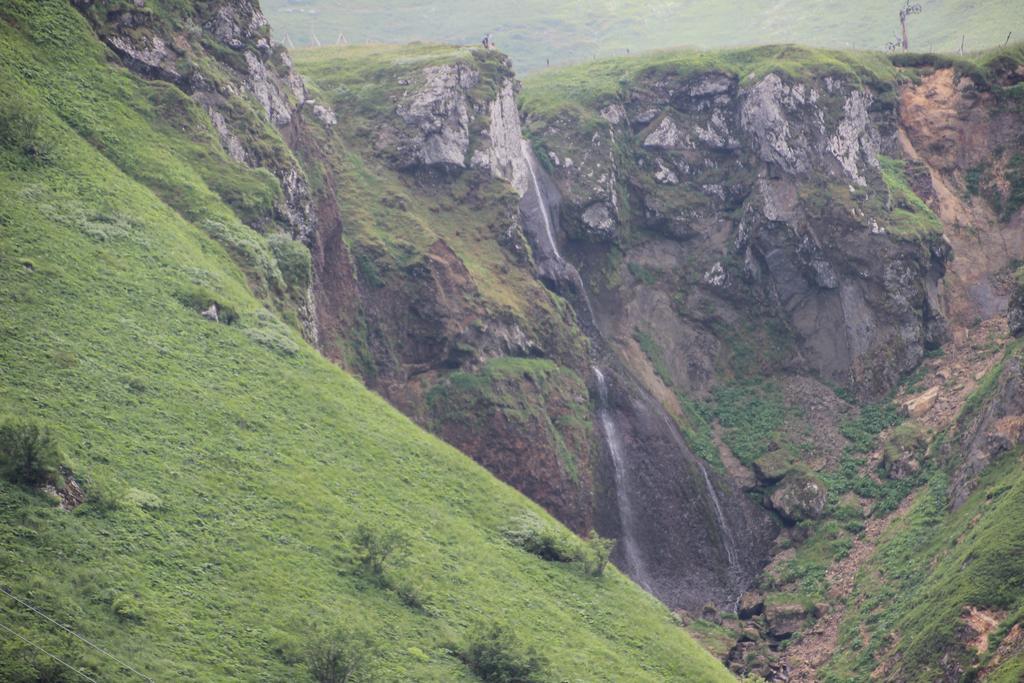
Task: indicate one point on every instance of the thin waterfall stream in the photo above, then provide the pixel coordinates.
(620, 455)
(541, 202)
(728, 541)
(626, 518)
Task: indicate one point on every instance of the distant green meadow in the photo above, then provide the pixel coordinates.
(538, 32)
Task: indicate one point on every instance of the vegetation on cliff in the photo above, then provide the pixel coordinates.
(226, 465)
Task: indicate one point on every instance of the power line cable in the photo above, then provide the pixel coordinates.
(49, 654)
(7, 591)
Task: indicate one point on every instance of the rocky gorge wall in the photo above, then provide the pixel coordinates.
(790, 236)
(449, 321)
(746, 199)
(675, 229)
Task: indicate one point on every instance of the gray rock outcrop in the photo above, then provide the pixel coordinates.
(775, 189)
(439, 124)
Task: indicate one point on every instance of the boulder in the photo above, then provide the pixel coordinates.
(785, 619)
(800, 496)
(710, 613)
(750, 658)
(919, 406)
(599, 219)
(750, 605)
(905, 447)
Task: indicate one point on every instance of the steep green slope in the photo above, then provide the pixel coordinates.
(534, 31)
(226, 464)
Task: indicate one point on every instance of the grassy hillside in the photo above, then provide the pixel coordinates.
(562, 31)
(228, 464)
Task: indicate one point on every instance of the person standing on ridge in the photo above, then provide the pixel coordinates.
(488, 41)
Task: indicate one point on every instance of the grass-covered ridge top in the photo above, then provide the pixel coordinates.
(372, 75)
(594, 84)
(227, 465)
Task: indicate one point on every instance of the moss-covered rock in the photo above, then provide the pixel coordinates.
(785, 619)
(799, 497)
(772, 467)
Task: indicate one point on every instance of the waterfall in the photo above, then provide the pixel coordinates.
(539, 195)
(626, 519)
(728, 541)
(635, 492)
(612, 437)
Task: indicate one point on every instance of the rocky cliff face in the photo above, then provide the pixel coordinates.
(765, 191)
(993, 428)
(449, 321)
(755, 234)
(964, 137)
(452, 116)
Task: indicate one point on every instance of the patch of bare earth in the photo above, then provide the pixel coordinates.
(1012, 645)
(965, 360)
(979, 624)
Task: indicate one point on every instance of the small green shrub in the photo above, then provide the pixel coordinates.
(127, 607)
(103, 496)
(850, 517)
(294, 261)
(271, 333)
(596, 554)
(410, 593)
(138, 499)
(19, 127)
(863, 430)
(250, 251)
(339, 653)
(19, 663)
(29, 455)
(543, 540)
(378, 548)
(496, 655)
